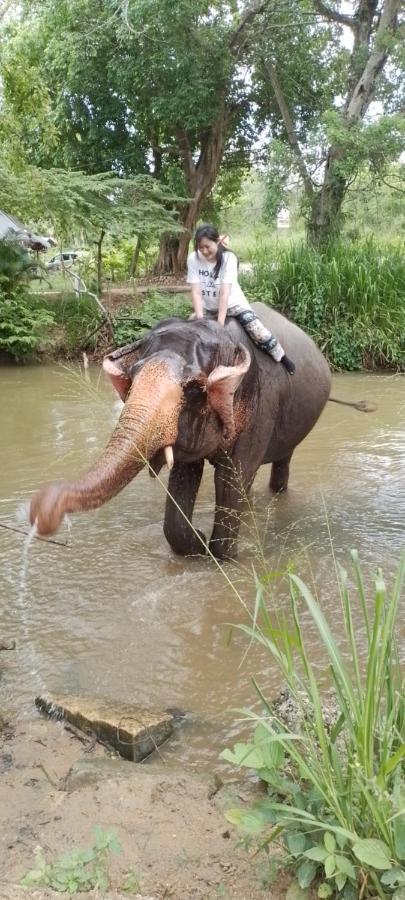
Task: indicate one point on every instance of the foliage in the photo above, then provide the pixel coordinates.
(15, 263)
(24, 318)
(130, 88)
(130, 323)
(69, 202)
(336, 792)
(77, 871)
(24, 323)
(315, 85)
(77, 318)
(348, 297)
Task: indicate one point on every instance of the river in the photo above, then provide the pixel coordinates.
(116, 614)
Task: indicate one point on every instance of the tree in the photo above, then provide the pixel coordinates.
(143, 86)
(317, 94)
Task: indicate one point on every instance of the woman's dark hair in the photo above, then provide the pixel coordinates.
(212, 234)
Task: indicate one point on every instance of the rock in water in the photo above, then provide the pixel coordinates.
(131, 730)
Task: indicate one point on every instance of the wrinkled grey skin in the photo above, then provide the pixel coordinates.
(268, 415)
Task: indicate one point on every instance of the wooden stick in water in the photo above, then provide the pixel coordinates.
(38, 536)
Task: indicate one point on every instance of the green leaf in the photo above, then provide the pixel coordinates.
(394, 877)
(399, 836)
(296, 843)
(306, 873)
(344, 865)
(340, 879)
(399, 894)
(269, 748)
(373, 852)
(350, 891)
(244, 755)
(317, 853)
(330, 865)
(249, 820)
(329, 842)
(325, 890)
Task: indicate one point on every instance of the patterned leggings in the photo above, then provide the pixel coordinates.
(261, 336)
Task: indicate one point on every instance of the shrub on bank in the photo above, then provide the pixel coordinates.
(77, 320)
(25, 323)
(335, 780)
(24, 318)
(130, 323)
(348, 296)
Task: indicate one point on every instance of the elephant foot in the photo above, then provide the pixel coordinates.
(280, 472)
(194, 545)
(223, 549)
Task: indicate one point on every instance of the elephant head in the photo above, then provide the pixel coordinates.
(178, 384)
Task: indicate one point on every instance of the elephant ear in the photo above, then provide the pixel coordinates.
(119, 364)
(222, 383)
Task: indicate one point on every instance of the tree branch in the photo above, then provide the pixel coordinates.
(237, 38)
(363, 90)
(333, 14)
(289, 127)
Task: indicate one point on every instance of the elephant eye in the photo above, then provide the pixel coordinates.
(194, 391)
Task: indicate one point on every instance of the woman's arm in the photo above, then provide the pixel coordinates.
(196, 297)
(224, 292)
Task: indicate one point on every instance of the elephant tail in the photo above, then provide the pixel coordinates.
(361, 405)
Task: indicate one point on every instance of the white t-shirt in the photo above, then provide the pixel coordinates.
(199, 271)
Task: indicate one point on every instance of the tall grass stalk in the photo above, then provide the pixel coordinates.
(349, 297)
(345, 780)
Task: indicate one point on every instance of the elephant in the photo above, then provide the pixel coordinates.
(194, 390)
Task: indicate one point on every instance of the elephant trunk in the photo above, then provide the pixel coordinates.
(148, 423)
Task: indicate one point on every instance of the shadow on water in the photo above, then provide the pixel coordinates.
(117, 614)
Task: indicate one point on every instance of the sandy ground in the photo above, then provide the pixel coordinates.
(54, 789)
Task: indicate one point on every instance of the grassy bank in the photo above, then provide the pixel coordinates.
(349, 298)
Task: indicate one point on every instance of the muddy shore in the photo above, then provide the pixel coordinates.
(175, 840)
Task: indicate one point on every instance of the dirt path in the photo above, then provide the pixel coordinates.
(170, 824)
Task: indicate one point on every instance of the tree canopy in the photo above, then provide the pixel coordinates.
(191, 94)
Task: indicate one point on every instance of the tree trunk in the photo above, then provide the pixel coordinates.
(325, 217)
(135, 258)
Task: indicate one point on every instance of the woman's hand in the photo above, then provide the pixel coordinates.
(224, 292)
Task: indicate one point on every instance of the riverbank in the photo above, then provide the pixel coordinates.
(175, 840)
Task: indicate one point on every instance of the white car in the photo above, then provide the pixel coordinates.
(63, 260)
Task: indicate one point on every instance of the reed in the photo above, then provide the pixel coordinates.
(336, 789)
(349, 297)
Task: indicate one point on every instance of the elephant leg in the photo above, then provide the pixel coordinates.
(184, 481)
(280, 472)
(232, 484)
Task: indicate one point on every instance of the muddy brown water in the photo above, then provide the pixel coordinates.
(117, 614)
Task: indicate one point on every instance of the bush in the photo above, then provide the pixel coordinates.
(130, 323)
(335, 789)
(24, 318)
(78, 317)
(348, 297)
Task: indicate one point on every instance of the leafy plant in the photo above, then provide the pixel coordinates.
(78, 317)
(130, 322)
(349, 298)
(24, 322)
(77, 871)
(336, 791)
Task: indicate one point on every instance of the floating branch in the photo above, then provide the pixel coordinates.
(38, 536)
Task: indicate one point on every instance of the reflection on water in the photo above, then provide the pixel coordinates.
(116, 613)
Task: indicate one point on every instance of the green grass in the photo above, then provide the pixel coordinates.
(349, 297)
(335, 792)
